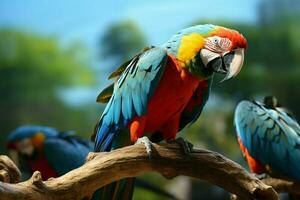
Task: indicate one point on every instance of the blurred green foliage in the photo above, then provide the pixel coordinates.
(121, 41)
(32, 70)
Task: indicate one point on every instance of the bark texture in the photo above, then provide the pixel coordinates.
(167, 159)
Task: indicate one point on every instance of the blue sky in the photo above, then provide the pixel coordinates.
(87, 20)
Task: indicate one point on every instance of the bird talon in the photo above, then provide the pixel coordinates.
(148, 144)
(186, 145)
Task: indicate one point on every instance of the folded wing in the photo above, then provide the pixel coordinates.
(270, 136)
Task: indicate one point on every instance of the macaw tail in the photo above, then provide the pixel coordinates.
(107, 139)
(119, 190)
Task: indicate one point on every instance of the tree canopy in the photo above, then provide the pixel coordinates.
(32, 69)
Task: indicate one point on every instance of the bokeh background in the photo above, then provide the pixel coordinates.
(55, 57)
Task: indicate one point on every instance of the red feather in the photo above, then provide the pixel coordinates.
(42, 165)
(237, 39)
(254, 165)
(173, 93)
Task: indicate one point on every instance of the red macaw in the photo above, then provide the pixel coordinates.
(164, 88)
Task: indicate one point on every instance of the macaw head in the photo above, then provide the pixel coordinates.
(221, 49)
(28, 139)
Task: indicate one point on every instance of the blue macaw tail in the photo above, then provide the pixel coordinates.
(119, 190)
(109, 138)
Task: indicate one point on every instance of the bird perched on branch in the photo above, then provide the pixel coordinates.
(45, 149)
(269, 138)
(54, 153)
(164, 88)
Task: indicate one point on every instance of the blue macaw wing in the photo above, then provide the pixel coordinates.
(65, 153)
(196, 104)
(131, 94)
(270, 135)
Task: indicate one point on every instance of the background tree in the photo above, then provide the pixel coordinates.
(32, 70)
(121, 41)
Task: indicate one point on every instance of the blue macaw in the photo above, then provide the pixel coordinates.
(54, 153)
(269, 137)
(164, 88)
(48, 150)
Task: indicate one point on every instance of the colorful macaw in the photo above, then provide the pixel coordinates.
(164, 88)
(54, 153)
(47, 150)
(269, 138)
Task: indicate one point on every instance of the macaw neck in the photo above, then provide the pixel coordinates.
(197, 68)
(193, 65)
(36, 154)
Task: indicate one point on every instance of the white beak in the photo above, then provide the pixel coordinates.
(235, 65)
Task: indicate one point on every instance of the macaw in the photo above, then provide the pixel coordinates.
(164, 88)
(269, 138)
(54, 153)
(45, 149)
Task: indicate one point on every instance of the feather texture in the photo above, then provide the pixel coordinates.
(270, 135)
(66, 152)
(132, 92)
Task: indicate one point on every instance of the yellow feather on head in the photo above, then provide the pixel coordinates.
(189, 46)
(38, 140)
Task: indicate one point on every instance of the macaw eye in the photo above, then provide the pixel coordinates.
(215, 40)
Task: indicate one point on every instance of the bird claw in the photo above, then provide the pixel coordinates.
(186, 145)
(148, 144)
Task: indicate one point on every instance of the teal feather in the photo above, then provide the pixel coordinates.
(276, 141)
(131, 94)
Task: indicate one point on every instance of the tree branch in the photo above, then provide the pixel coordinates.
(9, 172)
(131, 161)
(282, 185)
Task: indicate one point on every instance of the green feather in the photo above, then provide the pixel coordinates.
(120, 70)
(105, 94)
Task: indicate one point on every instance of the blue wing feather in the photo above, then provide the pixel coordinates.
(131, 94)
(65, 153)
(273, 139)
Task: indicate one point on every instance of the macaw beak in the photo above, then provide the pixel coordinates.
(230, 63)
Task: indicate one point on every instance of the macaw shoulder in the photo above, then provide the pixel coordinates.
(189, 46)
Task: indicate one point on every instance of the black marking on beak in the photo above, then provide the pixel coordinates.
(216, 65)
(222, 64)
(227, 60)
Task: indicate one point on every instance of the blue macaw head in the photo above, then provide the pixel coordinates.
(26, 139)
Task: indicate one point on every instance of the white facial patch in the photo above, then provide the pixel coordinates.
(217, 44)
(207, 56)
(25, 147)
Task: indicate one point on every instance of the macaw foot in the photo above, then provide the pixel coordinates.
(262, 176)
(148, 144)
(186, 145)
